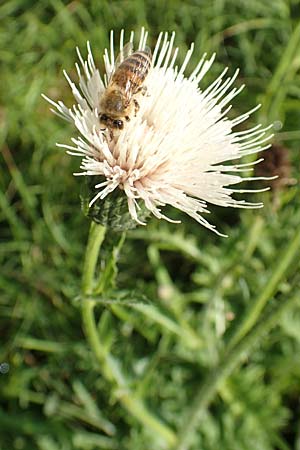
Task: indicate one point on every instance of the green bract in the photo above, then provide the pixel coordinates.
(112, 211)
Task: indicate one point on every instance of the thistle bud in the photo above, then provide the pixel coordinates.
(112, 211)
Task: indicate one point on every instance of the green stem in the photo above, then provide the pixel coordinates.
(260, 302)
(217, 376)
(96, 236)
(109, 365)
(107, 277)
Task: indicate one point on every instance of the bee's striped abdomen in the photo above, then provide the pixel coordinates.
(133, 70)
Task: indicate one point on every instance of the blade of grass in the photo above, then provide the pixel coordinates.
(29, 200)
(251, 316)
(277, 84)
(17, 227)
(91, 408)
(228, 364)
(189, 337)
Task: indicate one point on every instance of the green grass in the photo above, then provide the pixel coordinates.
(194, 342)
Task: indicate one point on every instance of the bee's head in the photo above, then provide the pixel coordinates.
(110, 122)
(118, 123)
(104, 118)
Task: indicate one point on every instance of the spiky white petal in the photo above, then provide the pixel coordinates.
(172, 152)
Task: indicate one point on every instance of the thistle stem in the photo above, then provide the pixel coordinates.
(110, 367)
(96, 236)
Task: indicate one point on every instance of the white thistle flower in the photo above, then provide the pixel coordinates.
(172, 152)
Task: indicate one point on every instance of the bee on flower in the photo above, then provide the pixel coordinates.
(150, 133)
(126, 81)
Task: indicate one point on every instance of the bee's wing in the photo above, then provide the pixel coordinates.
(139, 73)
(126, 51)
(147, 50)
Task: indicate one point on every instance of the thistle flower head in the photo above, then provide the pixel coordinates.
(175, 149)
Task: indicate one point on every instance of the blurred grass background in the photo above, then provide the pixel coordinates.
(225, 308)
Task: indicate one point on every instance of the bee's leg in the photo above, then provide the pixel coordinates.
(144, 90)
(127, 118)
(111, 134)
(136, 107)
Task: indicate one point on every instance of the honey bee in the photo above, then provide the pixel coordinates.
(127, 79)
